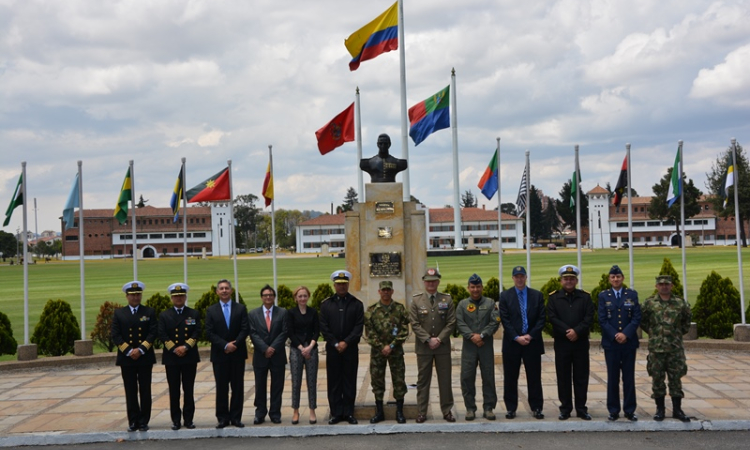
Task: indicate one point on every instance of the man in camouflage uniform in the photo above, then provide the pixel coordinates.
(386, 328)
(477, 319)
(666, 319)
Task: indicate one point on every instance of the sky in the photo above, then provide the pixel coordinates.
(106, 82)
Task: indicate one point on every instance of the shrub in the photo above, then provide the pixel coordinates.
(717, 307)
(8, 344)
(492, 289)
(668, 269)
(456, 292)
(57, 330)
(322, 292)
(207, 299)
(102, 333)
(160, 303)
(549, 287)
(285, 297)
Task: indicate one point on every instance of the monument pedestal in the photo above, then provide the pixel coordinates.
(83, 347)
(27, 352)
(385, 240)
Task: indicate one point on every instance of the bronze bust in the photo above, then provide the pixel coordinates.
(383, 167)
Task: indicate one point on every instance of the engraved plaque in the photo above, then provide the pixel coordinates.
(385, 264)
(385, 232)
(384, 208)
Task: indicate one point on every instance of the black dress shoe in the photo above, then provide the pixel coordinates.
(275, 420)
(143, 427)
(564, 416)
(222, 424)
(334, 420)
(612, 417)
(258, 421)
(510, 415)
(352, 420)
(239, 424)
(189, 425)
(176, 426)
(584, 416)
(538, 414)
(132, 427)
(631, 417)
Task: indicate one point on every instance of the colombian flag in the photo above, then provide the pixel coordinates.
(213, 189)
(378, 36)
(429, 116)
(489, 182)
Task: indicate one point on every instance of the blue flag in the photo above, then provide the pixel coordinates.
(71, 205)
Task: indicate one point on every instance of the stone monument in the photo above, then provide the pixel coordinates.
(385, 236)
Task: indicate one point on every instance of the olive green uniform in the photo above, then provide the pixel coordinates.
(481, 317)
(387, 326)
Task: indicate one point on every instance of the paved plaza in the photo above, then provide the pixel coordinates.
(82, 400)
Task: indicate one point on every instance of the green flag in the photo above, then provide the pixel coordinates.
(126, 194)
(15, 202)
(574, 180)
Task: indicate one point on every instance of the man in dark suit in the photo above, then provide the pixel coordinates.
(523, 317)
(133, 332)
(620, 317)
(342, 320)
(268, 331)
(227, 328)
(179, 330)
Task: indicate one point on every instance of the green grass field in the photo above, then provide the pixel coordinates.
(104, 279)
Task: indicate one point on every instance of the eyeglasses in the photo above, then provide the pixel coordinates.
(268, 295)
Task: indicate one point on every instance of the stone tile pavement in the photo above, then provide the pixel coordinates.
(85, 403)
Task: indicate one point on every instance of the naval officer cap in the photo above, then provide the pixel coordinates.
(569, 270)
(341, 276)
(178, 289)
(133, 287)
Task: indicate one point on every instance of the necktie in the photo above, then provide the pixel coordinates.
(179, 311)
(432, 299)
(135, 310)
(524, 318)
(227, 312)
(268, 320)
(618, 296)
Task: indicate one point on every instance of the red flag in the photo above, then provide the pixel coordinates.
(622, 182)
(213, 189)
(337, 131)
(268, 185)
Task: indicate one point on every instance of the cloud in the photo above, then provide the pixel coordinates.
(726, 83)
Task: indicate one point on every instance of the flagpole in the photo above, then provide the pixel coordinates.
(456, 202)
(132, 206)
(681, 190)
(184, 223)
(273, 223)
(528, 218)
(25, 258)
(231, 231)
(404, 121)
(81, 246)
(736, 224)
(578, 216)
(499, 222)
(358, 133)
(630, 220)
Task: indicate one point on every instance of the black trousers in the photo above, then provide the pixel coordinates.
(181, 375)
(572, 358)
(341, 370)
(137, 382)
(229, 374)
(513, 355)
(277, 389)
(620, 360)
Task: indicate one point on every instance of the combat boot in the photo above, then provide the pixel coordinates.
(659, 416)
(379, 415)
(400, 411)
(677, 412)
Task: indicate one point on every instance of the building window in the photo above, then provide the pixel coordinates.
(653, 224)
(141, 236)
(126, 237)
(70, 238)
(199, 235)
(154, 236)
(170, 236)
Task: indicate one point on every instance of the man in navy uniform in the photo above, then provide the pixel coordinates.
(179, 330)
(619, 317)
(133, 332)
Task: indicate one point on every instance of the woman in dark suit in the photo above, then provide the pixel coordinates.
(304, 329)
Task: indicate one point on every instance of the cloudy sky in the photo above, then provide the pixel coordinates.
(153, 81)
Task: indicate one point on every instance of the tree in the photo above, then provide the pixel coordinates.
(717, 307)
(57, 330)
(8, 344)
(8, 244)
(550, 219)
(102, 333)
(245, 214)
(658, 207)
(508, 208)
(568, 213)
(468, 200)
(715, 182)
(349, 200)
(535, 211)
(322, 292)
(285, 297)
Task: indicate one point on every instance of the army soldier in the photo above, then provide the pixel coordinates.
(179, 330)
(477, 319)
(433, 318)
(386, 328)
(620, 317)
(666, 319)
(133, 332)
(571, 313)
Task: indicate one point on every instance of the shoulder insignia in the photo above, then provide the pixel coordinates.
(552, 292)
(417, 294)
